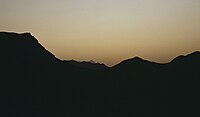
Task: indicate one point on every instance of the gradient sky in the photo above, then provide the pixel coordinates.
(107, 31)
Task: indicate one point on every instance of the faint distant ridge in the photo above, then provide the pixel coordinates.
(86, 64)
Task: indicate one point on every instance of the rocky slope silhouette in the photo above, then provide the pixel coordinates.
(34, 83)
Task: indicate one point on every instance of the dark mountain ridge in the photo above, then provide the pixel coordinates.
(34, 83)
(27, 47)
(190, 58)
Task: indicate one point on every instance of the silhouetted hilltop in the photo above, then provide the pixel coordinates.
(185, 67)
(190, 58)
(23, 48)
(134, 63)
(136, 67)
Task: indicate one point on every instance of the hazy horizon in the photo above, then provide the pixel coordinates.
(107, 31)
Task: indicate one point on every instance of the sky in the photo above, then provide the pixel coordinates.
(107, 31)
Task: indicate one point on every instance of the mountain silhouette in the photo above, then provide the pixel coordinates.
(34, 83)
(135, 64)
(23, 47)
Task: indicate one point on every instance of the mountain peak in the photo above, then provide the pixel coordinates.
(27, 34)
(13, 33)
(17, 37)
(23, 47)
(134, 60)
(137, 59)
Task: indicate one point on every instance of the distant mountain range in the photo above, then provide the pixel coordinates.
(35, 83)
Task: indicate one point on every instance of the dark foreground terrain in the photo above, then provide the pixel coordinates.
(34, 83)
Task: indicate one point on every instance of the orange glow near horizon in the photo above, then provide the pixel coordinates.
(107, 31)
